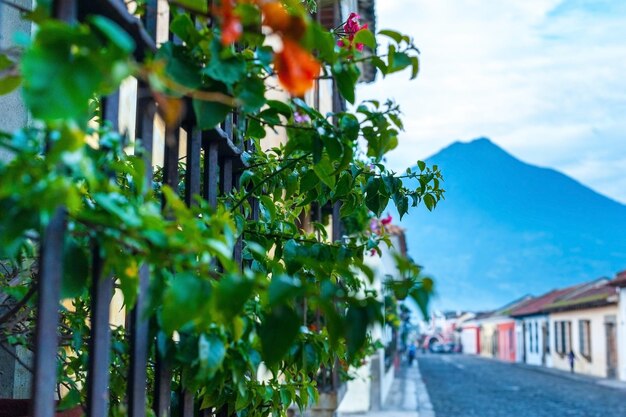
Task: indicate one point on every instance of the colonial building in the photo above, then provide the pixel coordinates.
(532, 330)
(585, 322)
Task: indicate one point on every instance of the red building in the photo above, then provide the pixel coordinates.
(506, 341)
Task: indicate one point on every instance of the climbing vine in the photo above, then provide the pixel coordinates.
(251, 341)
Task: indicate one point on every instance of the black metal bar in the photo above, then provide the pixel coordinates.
(146, 111)
(211, 167)
(99, 340)
(46, 336)
(192, 177)
(337, 226)
(111, 110)
(139, 325)
(170, 165)
(66, 10)
(226, 177)
(163, 379)
(186, 404)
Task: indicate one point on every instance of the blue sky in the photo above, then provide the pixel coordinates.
(544, 79)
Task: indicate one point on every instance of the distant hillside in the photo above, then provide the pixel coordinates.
(507, 228)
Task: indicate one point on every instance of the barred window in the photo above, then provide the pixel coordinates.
(563, 336)
(584, 334)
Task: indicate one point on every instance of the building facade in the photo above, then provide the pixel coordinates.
(585, 324)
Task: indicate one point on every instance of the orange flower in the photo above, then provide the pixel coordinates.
(231, 25)
(296, 68)
(276, 17)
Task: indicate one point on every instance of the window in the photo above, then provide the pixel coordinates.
(546, 341)
(584, 336)
(563, 336)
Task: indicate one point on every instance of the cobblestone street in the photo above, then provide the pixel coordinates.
(465, 386)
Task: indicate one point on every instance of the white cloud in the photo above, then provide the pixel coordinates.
(543, 78)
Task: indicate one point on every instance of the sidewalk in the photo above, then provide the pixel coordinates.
(408, 397)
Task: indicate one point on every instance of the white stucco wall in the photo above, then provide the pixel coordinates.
(357, 398)
(469, 336)
(536, 355)
(597, 365)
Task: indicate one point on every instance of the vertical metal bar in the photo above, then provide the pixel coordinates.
(238, 249)
(170, 166)
(99, 341)
(163, 379)
(211, 171)
(49, 286)
(226, 178)
(111, 110)
(186, 404)
(139, 325)
(101, 294)
(65, 10)
(192, 179)
(163, 370)
(46, 337)
(138, 349)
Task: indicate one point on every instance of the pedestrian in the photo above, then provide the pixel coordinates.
(571, 357)
(412, 353)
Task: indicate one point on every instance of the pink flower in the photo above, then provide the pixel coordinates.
(387, 220)
(350, 29)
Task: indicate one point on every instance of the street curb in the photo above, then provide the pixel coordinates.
(424, 406)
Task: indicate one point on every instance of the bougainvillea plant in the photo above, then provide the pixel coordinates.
(298, 305)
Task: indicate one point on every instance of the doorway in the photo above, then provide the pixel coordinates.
(611, 346)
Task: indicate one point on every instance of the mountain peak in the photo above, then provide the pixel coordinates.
(508, 228)
(478, 148)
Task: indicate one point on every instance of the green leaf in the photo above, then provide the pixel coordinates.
(183, 27)
(269, 207)
(283, 289)
(114, 33)
(278, 331)
(75, 269)
(430, 202)
(226, 70)
(211, 352)
(356, 322)
(366, 37)
(346, 77)
(194, 5)
(231, 294)
(251, 93)
(396, 36)
(344, 185)
(209, 114)
(179, 65)
(325, 171)
(309, 181)
(280, 107)
(9, 83)
(58, 81)
(350, 127)
(184, 300)
(399, 61)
